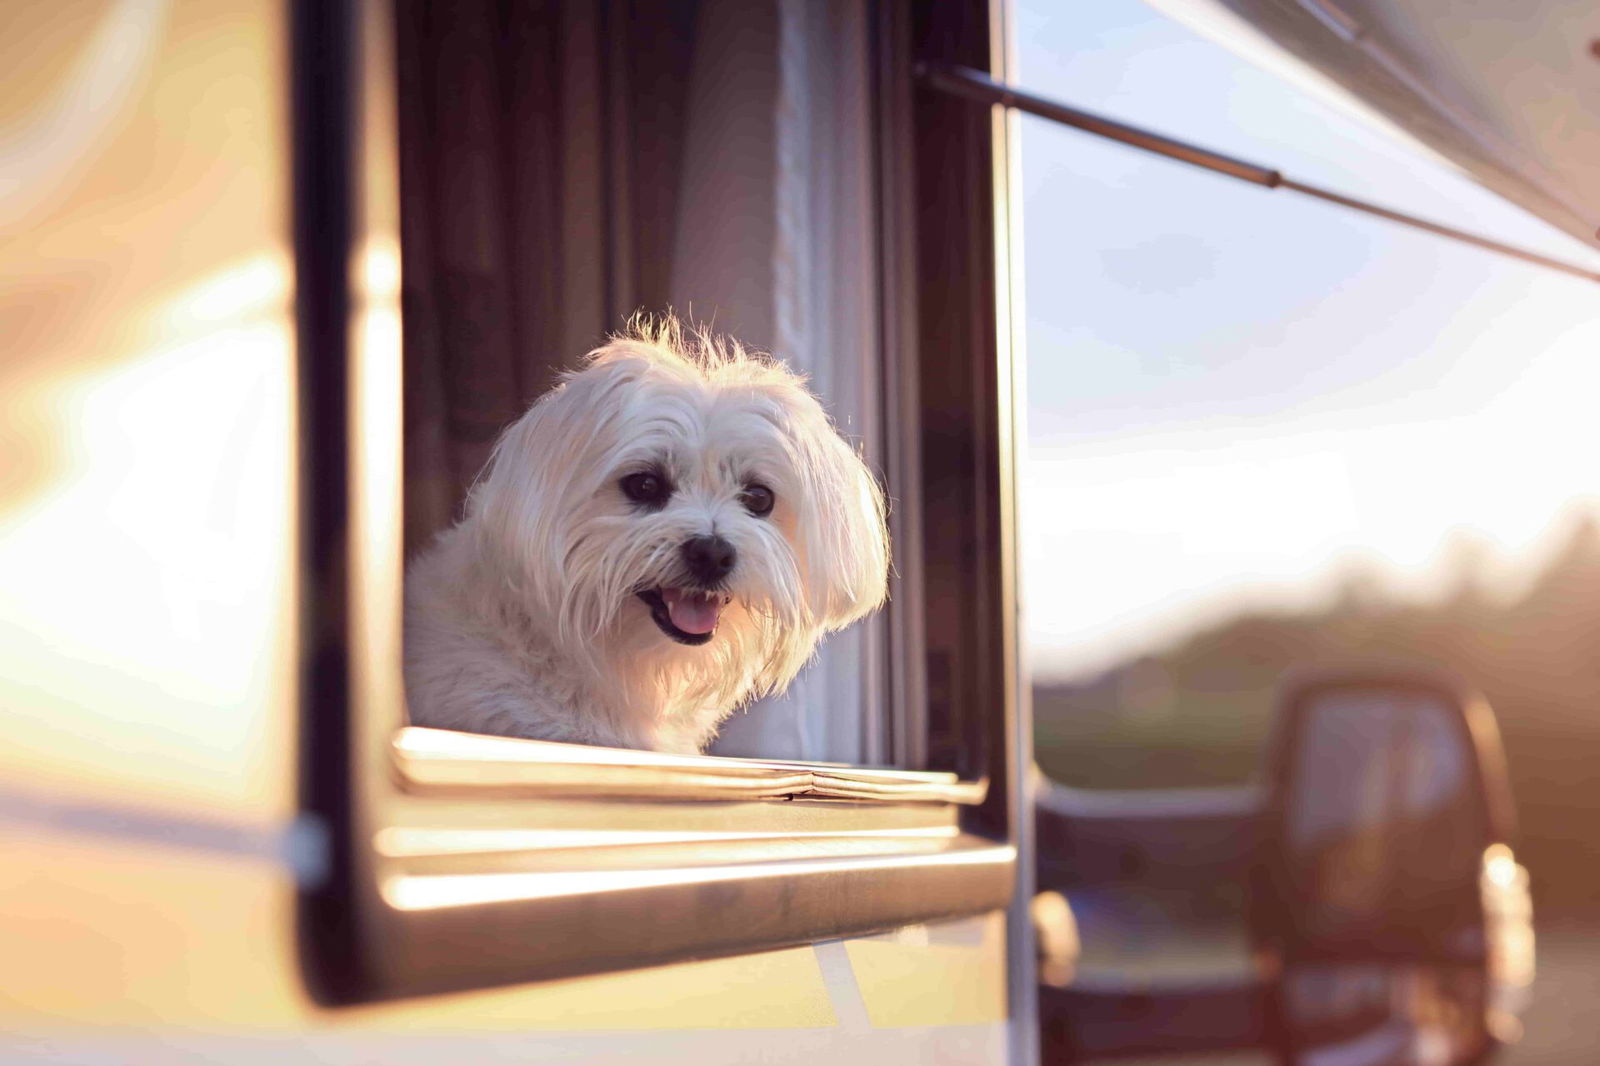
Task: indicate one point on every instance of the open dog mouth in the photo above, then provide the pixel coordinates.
(688, 616)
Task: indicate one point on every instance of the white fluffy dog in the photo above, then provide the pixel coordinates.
(661, 538)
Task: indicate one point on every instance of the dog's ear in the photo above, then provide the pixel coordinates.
(543, 466)
(841, 528)
(512, 505)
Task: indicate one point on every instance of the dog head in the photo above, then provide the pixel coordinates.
(682, 513)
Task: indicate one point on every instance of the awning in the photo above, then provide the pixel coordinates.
(1509, 90)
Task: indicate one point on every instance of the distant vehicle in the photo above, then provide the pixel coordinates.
(1385, 917)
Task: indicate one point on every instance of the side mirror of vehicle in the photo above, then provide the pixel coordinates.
(1392, 918)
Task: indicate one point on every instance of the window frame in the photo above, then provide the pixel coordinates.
(458, 862)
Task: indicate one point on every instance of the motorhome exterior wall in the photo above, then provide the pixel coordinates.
(150, 819)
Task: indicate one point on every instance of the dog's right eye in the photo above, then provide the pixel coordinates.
(649, 489)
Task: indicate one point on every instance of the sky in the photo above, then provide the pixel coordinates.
(1237, 396)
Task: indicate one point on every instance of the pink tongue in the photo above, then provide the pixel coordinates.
(692, 612)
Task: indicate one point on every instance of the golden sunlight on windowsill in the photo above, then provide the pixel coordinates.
(435, 760)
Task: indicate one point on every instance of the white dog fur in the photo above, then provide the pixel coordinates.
(527, 620)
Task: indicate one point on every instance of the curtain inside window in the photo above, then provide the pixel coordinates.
(541, 149)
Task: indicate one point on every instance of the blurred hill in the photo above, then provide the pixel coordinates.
(1197, 713)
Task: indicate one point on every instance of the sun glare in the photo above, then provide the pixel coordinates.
(132, 585)
(1239, 401)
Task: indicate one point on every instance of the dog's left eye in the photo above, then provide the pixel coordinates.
(649, 489)
(758, 500)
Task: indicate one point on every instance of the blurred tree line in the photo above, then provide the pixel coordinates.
(1198, 713)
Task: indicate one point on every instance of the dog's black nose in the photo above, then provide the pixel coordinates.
(708, 558)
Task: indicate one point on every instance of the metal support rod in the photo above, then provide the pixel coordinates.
(976, 85)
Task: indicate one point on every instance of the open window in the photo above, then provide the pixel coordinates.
(527, 178)
(566, 166)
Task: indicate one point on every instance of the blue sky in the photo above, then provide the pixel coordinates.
(1236, 395)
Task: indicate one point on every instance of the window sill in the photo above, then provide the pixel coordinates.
(442, 762)
(501, 860)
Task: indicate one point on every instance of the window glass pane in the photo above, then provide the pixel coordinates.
(1266, 432)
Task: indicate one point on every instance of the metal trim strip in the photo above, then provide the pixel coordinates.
(977, 86)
